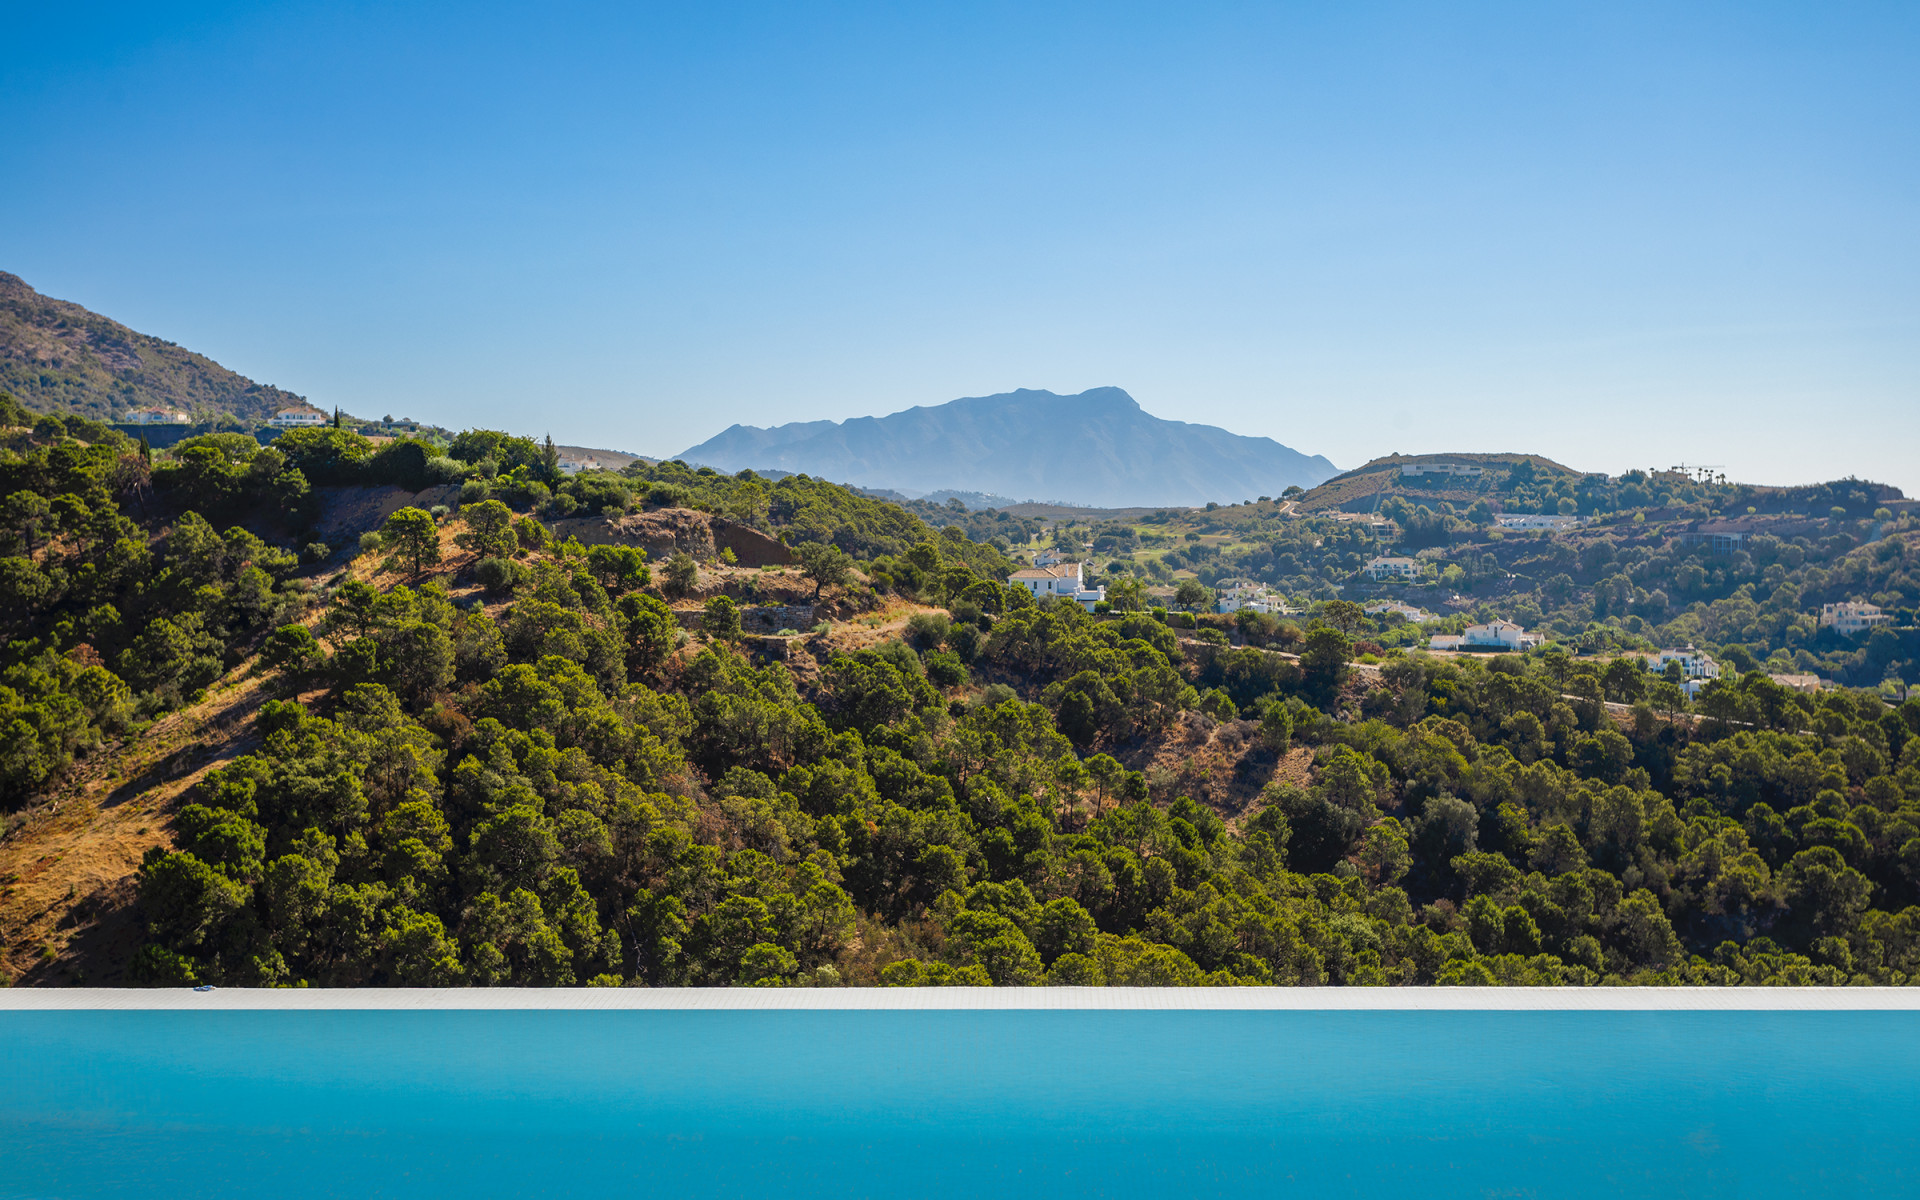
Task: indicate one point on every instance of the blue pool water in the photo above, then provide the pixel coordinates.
(938, 1104)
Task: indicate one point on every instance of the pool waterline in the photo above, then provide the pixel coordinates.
(697, 1095)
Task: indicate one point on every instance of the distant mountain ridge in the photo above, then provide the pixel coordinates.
(56, 356)
(1097, 448)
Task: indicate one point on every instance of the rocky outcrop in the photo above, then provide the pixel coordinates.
(669, 531)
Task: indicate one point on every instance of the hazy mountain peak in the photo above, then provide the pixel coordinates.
(1096, 447)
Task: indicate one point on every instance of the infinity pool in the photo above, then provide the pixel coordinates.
(958, 1103)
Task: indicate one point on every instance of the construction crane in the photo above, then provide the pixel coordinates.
(1701, 473)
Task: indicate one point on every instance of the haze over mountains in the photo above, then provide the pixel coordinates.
(1096, 448)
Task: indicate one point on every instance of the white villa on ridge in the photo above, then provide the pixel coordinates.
(1851, 618)
(294, 418)
(1062, 579)
(1696, 668)
(1494, 635)
(1392, 568)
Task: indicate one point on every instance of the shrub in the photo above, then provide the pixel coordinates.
(500, 576)
(927, 630)
(944, 668)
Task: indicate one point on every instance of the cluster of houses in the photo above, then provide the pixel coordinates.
(286, 418)
(1525, 521)
(1407, 469)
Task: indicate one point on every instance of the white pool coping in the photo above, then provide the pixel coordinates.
(1257, 999)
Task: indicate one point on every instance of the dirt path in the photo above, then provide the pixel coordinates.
(67, 867)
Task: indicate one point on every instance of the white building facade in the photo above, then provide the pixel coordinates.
(1697, 669)
(1536, 521)
(1062, 579)
(1392, 568)
(1852, 618)
(1494, 635)
(155, 416)
(295, 418)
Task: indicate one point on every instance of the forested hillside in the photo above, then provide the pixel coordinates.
(59, 357)
(463, 750)
(1737, 570)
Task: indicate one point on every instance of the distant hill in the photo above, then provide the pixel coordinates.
(56, 356)
(1359, 489)
(1096, 448)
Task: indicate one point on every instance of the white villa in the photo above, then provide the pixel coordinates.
(1851, 618)
(573, 466)
(1696, 668)
(156, 416)
(1440, 469)
(295, 418)
(1494, 635)
(1046, 558)
(1418, 616)
(1392, 568)
(1536, 521)
(1259, 599)
(1062, 579)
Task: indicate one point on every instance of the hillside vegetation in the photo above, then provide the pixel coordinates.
(467, 751)
(56, 356)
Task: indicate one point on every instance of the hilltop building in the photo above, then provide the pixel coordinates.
(295, 418)
(573, 466)
(1494, 635)
(1407, 469)
(1392, 568)
(1061, 579)
(1851, 618)
(156, 416)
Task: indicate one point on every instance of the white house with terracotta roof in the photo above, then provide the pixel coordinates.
(294, 418)
(1061, 579)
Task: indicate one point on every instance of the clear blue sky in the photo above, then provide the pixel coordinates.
(1618, 234)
